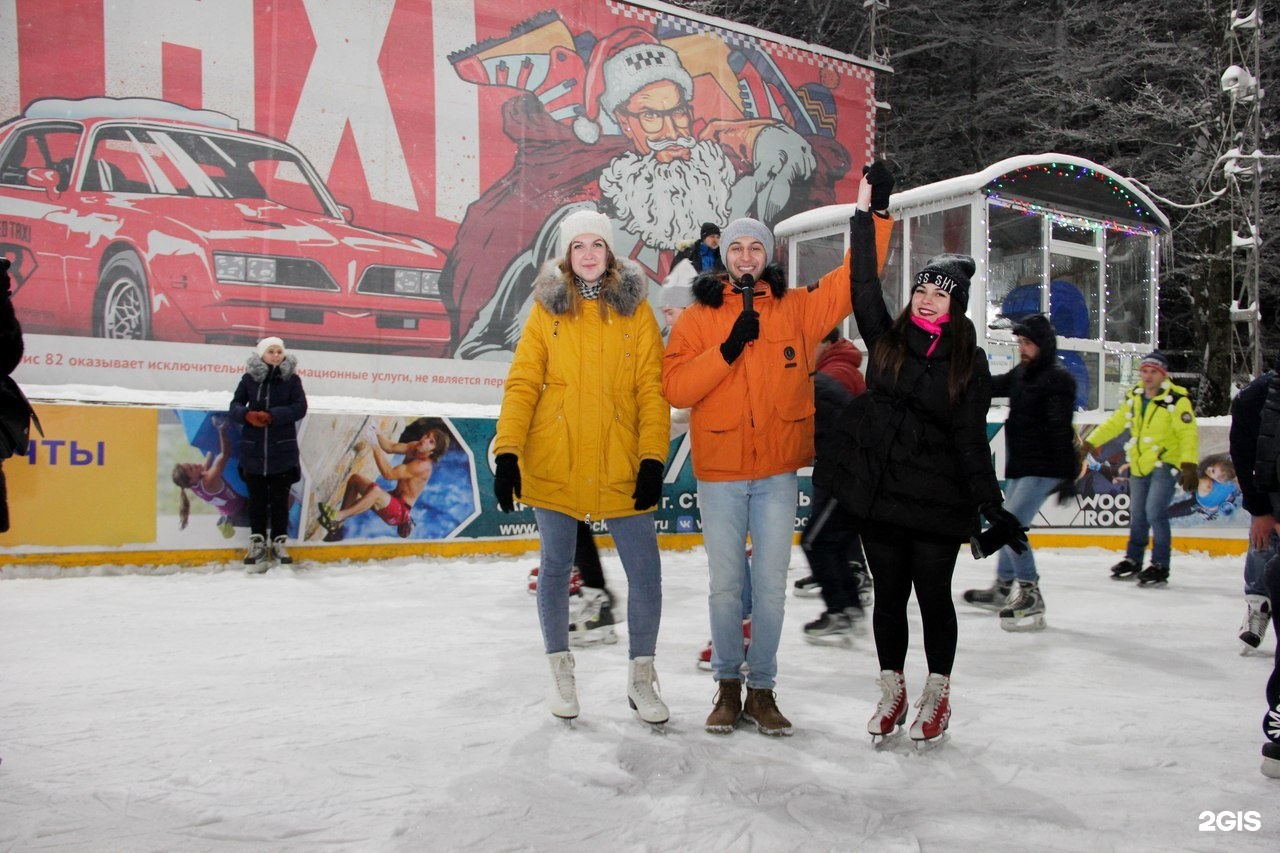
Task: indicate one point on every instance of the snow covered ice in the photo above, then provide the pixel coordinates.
(400, 707)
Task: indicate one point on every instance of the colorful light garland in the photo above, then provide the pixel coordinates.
(1070, 171)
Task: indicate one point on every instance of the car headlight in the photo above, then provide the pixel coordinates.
(229, 267)
(261, 271)
(416, 282)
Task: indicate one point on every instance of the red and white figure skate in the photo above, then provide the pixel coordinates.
(935, 709)
(891, 712)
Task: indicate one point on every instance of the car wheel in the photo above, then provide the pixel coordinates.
(122, 309)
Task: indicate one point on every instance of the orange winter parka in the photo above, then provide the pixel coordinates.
(754, 418)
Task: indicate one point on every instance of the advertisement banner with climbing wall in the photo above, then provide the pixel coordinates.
(376, 181)
(170, 479)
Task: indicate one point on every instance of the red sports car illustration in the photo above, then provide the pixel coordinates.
(141, 219)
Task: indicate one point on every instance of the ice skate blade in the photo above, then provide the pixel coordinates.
(1125, 577)
(1016, 625)
(807, 592)
(836, 640)
(929, 744)
(256, 568)
(1153, 584)
(568, 721)
(704, 665)
(992, 606)
(1270, 767)
(881, 740)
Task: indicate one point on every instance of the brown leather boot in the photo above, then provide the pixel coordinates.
(724, 716)
(762, 708)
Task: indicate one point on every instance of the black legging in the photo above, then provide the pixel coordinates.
(587, 558)
(900, 558)
(269, 503)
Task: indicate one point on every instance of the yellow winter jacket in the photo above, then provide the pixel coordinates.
(1164, 433)
(583, 401)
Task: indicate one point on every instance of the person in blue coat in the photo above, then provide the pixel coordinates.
(269, 401)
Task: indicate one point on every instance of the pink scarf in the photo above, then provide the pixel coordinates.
(932, 328)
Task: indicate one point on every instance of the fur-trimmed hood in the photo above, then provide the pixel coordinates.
(708, 288)
(551, 289)
(258, 369)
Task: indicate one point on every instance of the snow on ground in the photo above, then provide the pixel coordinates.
(399, 707)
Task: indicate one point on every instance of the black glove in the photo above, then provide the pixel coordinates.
(1005, 530)
(648, 484)
(506, 480)
(1189, 478)
(881, 181)
(5, 284)
(745, 329)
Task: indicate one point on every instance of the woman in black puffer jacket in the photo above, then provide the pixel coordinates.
(269, 402)
(910, 461)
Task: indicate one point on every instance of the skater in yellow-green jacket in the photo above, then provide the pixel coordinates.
(1162, 452)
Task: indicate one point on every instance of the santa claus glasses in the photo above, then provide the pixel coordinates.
(653, 120)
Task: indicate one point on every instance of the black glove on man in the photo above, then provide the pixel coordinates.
(745, 329)
(881, 181)
(648, 484)
(1005, 530)
(506, 480)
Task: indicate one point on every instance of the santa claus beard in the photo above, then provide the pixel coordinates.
(666, 203)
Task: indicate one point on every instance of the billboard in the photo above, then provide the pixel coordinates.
(376, 181)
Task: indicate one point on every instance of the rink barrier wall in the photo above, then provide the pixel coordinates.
(97, 488)
(1212, 546)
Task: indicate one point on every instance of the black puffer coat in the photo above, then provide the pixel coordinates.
(278, 390)
(10, 357)
(901, 454)
(1039, 438)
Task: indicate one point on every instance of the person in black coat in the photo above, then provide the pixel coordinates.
(11, 350)
(1255, 452)
(703, 253)
(910, 461)
(1040, 444)
(269, 401)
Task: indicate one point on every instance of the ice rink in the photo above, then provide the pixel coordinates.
(399, 707)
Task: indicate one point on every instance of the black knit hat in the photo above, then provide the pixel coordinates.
(708, 229)
(951, 274)
(1037, 329)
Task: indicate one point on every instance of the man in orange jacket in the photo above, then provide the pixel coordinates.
(742, 358)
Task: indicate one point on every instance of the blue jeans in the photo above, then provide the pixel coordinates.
(1255, 565)
(1023, 497)
(1149, 498)
(637, 544)
(765, 509)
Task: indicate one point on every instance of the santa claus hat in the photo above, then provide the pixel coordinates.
(623, 63)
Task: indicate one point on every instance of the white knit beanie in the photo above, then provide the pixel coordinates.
(584, 222)
(261, 348)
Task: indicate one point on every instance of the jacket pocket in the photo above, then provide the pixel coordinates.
(547, 451)
(717, 429)
(622, 456)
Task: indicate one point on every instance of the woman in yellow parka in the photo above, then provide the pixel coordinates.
(583, 436)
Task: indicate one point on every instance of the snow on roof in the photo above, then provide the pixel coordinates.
(66, 108)
(962, 185)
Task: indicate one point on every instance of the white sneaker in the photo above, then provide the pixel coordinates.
(642, 691)
(563, 696)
